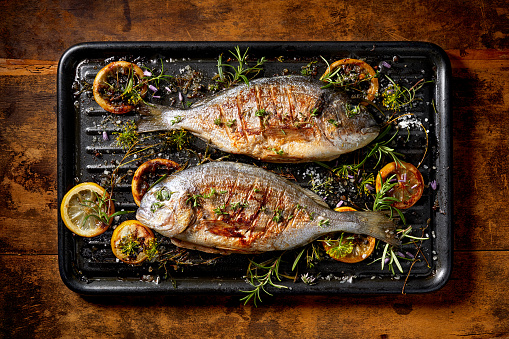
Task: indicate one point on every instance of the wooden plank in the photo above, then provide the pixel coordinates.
(27, 67)
(34, 302)
(39, 32)
(28, 164)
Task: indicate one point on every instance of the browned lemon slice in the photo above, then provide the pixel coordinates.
(114, 83)
(129, 241)
(363, 245)
(140, 182)
(409, 187)
(360, 67)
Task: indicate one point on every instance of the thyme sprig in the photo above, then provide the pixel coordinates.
(396, 96)
(240, 72)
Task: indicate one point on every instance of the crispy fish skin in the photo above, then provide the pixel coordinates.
(226, 207)
(286, 119)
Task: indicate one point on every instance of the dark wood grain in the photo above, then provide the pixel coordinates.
(34, 302)
(40, 305)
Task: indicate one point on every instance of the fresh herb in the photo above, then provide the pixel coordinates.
(309, 69)
(352, 110)
(323, 222)
(345, 77)
(100, 209)
(176, 120)
(220, 210)
(256, 190)
(261, 113)
(130, 246)
(177, 138)
(155, 206)
(339, 248)
(333, 122)
(260, 281)
(232, 122)
(391, 256)
(383, 202)
(151, 249)
(128, 136)
(239, 205)
(241, 72)
(163, 194)
(210, 194)
(193, 200)
(396, 96)
(278, 215)
(324, 187)
(278, 152)
(218, 122)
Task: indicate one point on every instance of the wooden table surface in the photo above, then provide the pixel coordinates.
(34, 302)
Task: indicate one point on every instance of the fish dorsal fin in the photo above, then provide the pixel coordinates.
(315, 197)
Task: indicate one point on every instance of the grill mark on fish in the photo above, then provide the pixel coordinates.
(289, 102)
(253, 229)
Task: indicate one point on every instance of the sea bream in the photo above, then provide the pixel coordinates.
(286, 119)
(227, 207)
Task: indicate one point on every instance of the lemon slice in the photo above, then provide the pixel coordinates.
(359, 67)
(409, 187)
(113, 81)
(80, 207)
(362, 245)
(131, 240)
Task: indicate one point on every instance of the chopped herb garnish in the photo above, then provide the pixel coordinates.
(220, 210)
(278, 215)
(324, 222)
(333, 122)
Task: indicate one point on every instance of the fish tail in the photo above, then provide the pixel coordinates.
(378, 225)
(157, 118)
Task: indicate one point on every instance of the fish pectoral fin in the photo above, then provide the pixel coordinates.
(214, 250)
(221, 228)
(192, 246)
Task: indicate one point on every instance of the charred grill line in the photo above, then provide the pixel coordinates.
(241, 128)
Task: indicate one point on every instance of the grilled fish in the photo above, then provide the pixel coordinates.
(227, 207)
(286, 119)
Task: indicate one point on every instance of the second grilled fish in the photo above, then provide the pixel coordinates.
(225, 207)
(287, 119)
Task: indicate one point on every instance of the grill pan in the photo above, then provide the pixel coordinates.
(87, 266)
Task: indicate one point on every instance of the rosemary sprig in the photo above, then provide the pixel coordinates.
(383, 202)
(100, 209)
(241, 72)
(260, 281)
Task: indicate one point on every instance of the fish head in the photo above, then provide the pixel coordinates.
(354, 126)
(164, 209)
